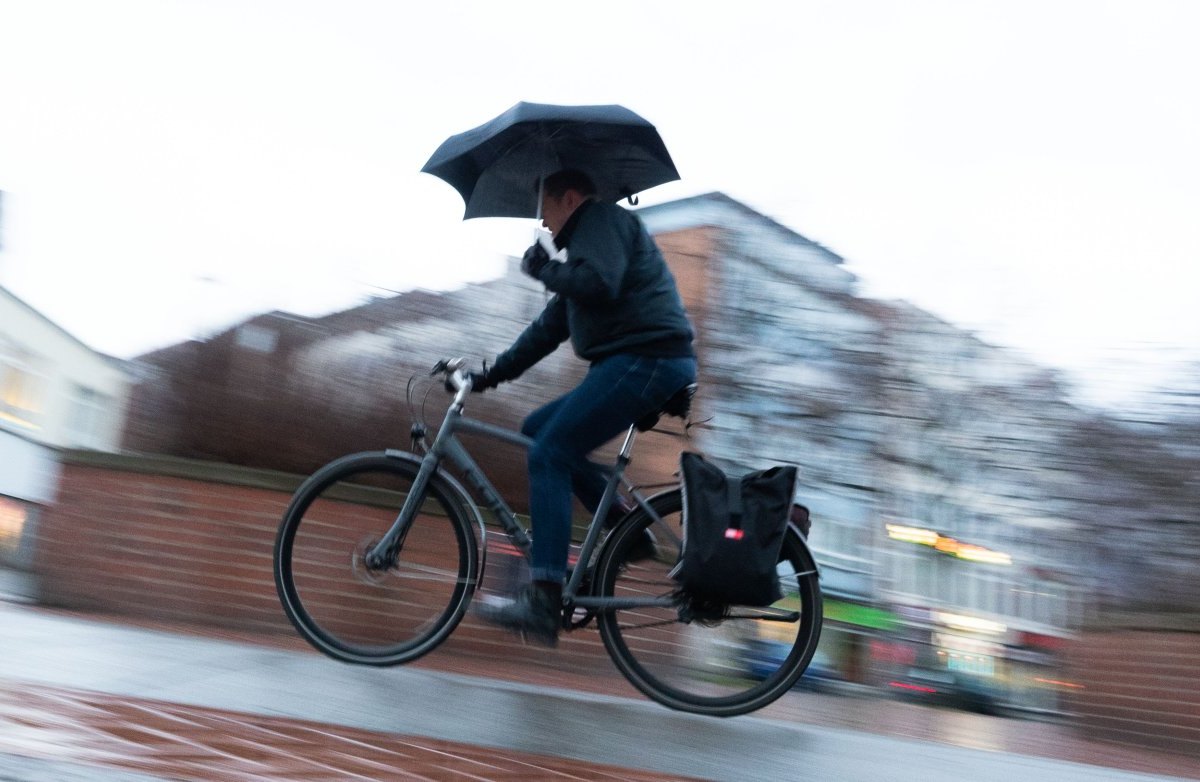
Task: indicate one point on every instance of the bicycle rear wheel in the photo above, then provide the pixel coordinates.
(720, 661)
(360, 615)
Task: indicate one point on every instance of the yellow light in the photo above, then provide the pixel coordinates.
(925, 537)
(980, 554)
(973, 623)
(22, 421)
(947, 545)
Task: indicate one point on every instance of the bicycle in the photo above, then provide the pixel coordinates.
(379, 554)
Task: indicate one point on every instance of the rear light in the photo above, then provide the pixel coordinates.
(914, 687)
(734, 534)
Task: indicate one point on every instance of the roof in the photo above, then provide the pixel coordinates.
(720, 199)
(38, 314)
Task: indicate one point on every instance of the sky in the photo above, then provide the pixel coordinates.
(1028, 171)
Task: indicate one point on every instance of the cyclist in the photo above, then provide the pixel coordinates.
(617, 301)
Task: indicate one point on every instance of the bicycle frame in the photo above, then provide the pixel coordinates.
(447, 447)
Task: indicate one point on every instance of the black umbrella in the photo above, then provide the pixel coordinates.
(498, 166)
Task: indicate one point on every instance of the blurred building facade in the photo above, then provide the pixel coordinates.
(930, 459)
(55, 392)
(943, 474)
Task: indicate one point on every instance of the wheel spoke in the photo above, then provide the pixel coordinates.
(358, 614)
(706, 659)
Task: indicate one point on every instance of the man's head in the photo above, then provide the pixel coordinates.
(562, 193)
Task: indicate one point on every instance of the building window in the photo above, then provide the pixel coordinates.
(22, 393)
(256, 338)
(13, 515)
(86, 426)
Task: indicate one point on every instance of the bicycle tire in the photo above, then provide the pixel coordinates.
(336, 603)
(692, 660)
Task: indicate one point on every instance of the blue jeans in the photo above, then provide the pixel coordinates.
(615, 393)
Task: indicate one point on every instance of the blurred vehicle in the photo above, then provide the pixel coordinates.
(947, 688)
(762, 656)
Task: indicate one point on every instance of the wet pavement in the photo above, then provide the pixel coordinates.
(82, 698)
(177, 741)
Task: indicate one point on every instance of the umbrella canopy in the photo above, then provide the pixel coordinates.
(497, 166)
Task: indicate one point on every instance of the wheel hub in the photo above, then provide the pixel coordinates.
(361, 566)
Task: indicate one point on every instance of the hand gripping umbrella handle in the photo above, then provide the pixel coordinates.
(543, 238)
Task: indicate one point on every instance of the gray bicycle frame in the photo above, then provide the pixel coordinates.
(446, 446)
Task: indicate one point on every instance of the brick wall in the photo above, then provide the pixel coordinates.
(164, 538)
(192, 542)
(1140, 686)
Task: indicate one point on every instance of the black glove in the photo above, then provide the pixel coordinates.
(482, 381)
(534, 260)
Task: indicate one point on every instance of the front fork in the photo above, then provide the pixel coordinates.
(383, 554)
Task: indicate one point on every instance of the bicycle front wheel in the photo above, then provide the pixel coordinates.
(374, 616)
(714, 660)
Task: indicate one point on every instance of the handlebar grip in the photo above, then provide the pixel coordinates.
(455, 379)
(448, 365)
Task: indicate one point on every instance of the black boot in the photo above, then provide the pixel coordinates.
(535, 613)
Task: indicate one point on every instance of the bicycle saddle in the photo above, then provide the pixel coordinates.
(679, 405)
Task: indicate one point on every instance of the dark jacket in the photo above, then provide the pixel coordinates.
(614, 294)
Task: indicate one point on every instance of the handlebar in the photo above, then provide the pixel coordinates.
(456, 379)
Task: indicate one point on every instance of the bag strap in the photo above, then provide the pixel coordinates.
(734, 486)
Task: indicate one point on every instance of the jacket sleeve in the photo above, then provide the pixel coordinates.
(537, 341)
(598, 257)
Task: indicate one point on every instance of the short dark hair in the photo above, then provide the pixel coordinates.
(560, 182)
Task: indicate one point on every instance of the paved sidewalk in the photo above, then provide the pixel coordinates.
(79, 730)
(227, 709)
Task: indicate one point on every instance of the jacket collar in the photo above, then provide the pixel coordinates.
(564, 236)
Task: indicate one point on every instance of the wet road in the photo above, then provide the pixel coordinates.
(186, 679)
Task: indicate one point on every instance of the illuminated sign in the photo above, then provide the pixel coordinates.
(972, 623)
(947, 545)
(951, 642)
(855, 614)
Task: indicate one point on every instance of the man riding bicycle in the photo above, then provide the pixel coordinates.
(617, 301)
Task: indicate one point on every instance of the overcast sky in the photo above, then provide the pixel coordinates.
(1027, 170)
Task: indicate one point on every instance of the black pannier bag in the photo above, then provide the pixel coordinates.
(732, 532)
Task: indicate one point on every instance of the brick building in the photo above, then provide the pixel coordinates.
(955, 508)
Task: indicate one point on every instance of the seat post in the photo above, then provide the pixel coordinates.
(627, 446)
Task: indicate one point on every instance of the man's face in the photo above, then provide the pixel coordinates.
(556, 211)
